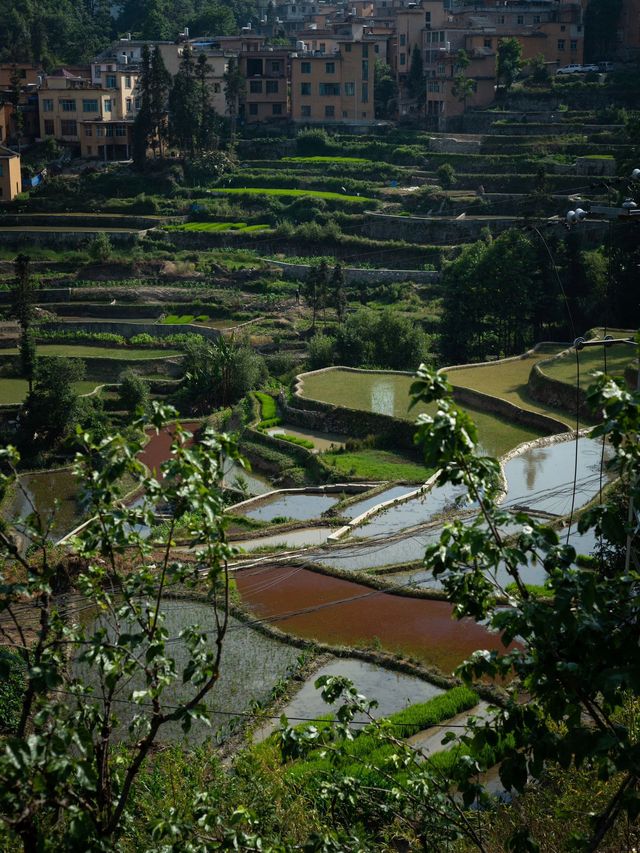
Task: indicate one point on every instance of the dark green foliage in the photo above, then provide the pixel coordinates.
(415, 78)
(320, 352)
(509, 61)
(219, 373)
(23, 309)
(268, 405)
(133, 393)
(385, 339)
(12, 675)
(51, 409)
(385, 90)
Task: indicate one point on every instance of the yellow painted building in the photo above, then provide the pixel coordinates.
(10, 175)
(95, 112)
(333, 87)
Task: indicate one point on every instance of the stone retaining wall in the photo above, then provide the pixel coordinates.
(557, 394)
(70, 238)
(352, 274)
(513, 413)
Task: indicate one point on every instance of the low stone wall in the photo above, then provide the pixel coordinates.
(128, 329)
(352, 274)
(557, 394)
(446, 231)
(71, 238)
(498, 406)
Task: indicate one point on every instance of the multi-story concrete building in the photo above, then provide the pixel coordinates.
(97, 111)
(266, 94)
(333, 87)
(445, 99)
(10, 177)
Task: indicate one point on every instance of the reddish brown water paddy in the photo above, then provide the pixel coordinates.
(158, 449)
(339, 612)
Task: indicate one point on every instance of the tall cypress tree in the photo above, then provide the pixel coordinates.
(142, 126)
(184, 104)
(207, 114)
(159, 86)
(22, 308)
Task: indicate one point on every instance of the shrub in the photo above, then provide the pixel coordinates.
(320, 351)
(100, 247)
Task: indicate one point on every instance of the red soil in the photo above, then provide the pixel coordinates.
(158, 449)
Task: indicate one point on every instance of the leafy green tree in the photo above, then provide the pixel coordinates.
(23, 310)
(385, 90)
(576, 656)
(50, 411)
(220, 372)
(207, 138)
(68, 762)
(133, 393)
(385, 339)
(446, 175)
(509, 61)
(312, 292)
(320, 351)
(463, 87)
(100, 247)
(539, 71)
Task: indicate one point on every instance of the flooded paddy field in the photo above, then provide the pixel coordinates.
(393, 691)
(39, 491)
(305, 538)
(340, 612)
(388, 394)
(301, 507)
(356, 509)
(251, 665)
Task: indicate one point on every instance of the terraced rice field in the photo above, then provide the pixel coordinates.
(388, 394)
(14, 391)
(80, 351)
(564, 368)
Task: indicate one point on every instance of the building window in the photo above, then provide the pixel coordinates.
(89, 151)
(433, 86)
(427, 19)
(88, 131)
(68, 127)
(520, 19)
(329, 112)
(138, 102)
(275, 68)
(90, 106)
(403, 39)
(376, 48)
(272, 87)
(129, 104)
(99, 131)
(365, 68)
(331, 90)
(344, 114)
(560, 44)
(111, 81)
(440, 68)
(488, 43)
(108, 130)
(107, 105)
(365, 51)
(305, 67)
(562, 28)
(501, 19)
(121, 130)
(47, 105)
(217, 88)
(68, 105)
(305, 88)
(1, 170)
(127, 81)
(350, 89)
(347, 48)
(253, 109)
(573, 45)
(330, 68)
(365, 93)
(323, 47)
(255, 87)
(98, 72)
(305, 111)
(403, 59)
(49, 127)
(276, 109)
(536, 19)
